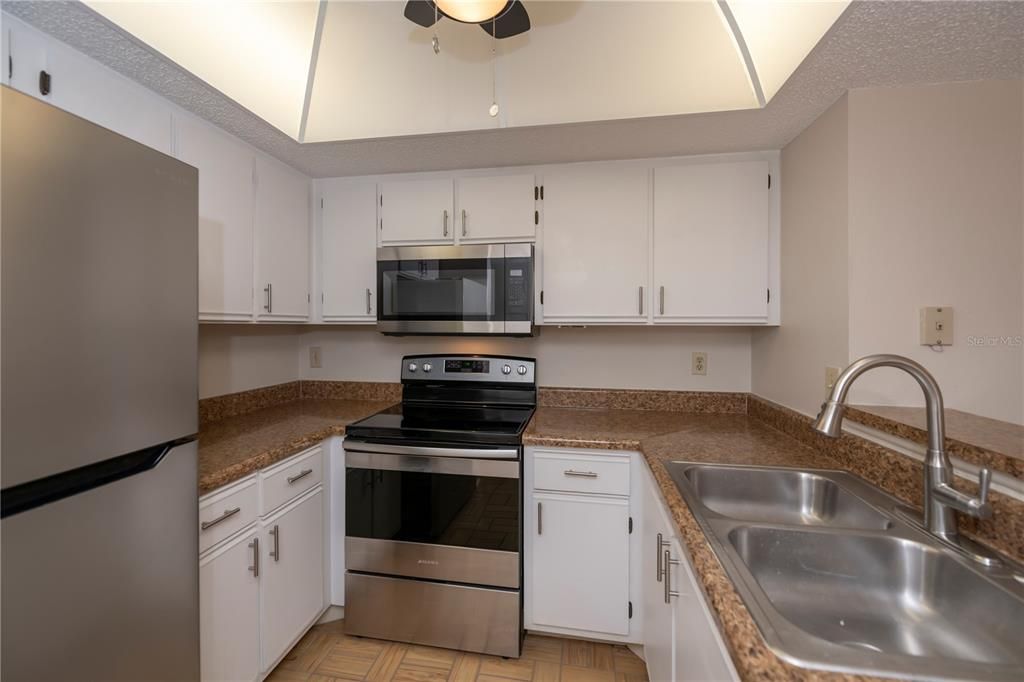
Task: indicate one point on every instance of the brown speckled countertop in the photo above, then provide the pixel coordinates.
(718, 438)
(979, 440)
(234, 447)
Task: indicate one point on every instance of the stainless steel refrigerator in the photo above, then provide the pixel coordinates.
(98, 334)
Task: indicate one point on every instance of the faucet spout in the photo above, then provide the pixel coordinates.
(940, 497)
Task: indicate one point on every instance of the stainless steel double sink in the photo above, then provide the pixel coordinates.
(837, 579)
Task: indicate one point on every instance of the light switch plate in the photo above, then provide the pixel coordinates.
(937, 326)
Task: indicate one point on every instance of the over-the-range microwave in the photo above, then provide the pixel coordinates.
(478, 289)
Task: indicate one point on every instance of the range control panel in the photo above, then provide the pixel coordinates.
(482, 368)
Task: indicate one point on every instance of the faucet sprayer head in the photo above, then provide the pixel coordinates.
(829, 421)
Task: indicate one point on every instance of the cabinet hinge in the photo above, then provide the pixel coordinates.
(542, 297)
(321, 297)
(542, 192)
(44, 83)
(769, 295)
(630, 525)
(308, 299)
(769, 181)
(630, 609)
(536, 193)
(10, 67)
(321, 203)
(381, 199)
(536, 217)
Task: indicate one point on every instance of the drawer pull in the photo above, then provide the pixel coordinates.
(255, 547)
(302, 474)
(580, 474)
(275, 553)
(206, 525)
(669, 563)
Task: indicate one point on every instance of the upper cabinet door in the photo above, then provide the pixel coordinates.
(417, 212)
(596, 245)
(496, 209)
(282, 243)
(225, 219)
(711, 233)
(349, 251)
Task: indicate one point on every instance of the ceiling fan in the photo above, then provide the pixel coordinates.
(499, 18)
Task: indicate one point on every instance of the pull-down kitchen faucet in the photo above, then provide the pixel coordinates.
(940, 497)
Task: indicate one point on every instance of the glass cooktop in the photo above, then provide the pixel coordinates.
(444, 424)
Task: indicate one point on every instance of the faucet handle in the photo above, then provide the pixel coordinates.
(979, 507)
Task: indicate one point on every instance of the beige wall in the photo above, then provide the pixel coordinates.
(932, 213)
(935, 219)
(788, 362)
(604, 357)
(239, 357)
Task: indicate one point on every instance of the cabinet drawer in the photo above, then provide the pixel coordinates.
(224, 512)
(581, 473)
(289, 479)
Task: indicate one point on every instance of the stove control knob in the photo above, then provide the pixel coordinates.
(506, 369)
(413, 367)
(427, 367)
(521, 370)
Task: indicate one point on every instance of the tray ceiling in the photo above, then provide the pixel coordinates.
(341, 70)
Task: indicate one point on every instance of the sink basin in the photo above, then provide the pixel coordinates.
(781, 496)
(836, 579)
(883, 594)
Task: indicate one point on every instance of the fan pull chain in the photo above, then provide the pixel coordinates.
(493, 111)
(435, 43)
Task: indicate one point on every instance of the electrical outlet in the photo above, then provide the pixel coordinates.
(315, 360)
(831, 377)
(699, 363)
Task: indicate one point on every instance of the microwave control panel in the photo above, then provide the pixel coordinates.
(518, 288)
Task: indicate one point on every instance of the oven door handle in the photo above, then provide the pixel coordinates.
(456, 466)
(421, 451)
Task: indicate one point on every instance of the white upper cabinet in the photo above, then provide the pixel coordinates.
(225, 219)
(500, 208)
(595, 245)
(711, 242)
(348, 250)
(417, 212)
(282, 243)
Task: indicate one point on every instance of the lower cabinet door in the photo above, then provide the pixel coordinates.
(580, 563)
(229, 620)
(700, 653)
(292, 578)
(657, 610)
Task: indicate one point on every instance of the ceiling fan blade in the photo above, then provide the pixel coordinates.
(421, 12)
(511, 22)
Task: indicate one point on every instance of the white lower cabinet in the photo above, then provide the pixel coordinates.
(580, 562)
(229, 610)
(263, 587)
(682, 642)
(292, 580)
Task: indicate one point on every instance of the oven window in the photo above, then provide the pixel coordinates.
(446, 289)
(463, 511)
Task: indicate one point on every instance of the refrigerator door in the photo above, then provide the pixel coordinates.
(104, 585)
(99, 293)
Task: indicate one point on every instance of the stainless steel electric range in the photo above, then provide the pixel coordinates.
(434, 506)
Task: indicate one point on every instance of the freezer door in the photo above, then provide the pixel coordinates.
(99, 293)
(104, 585)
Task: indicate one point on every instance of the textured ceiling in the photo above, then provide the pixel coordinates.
(872, 44)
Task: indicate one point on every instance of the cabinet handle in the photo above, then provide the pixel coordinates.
(661, 302)
(669, 563)
(660, 548)
(641, 300)
(275, 532)
(299, 476)
(446, 222)
(540, 519)
(368, 295)
(269, 291)
(228, 513)
(580, 474)
(255, 568)
(463, 222)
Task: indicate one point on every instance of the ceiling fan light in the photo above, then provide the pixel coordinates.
(471, 11)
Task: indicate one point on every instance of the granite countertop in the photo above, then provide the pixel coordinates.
(979, 440)
(234, 447)
(717, 438)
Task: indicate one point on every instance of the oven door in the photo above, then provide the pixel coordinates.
(444, 518)
(441, 289)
